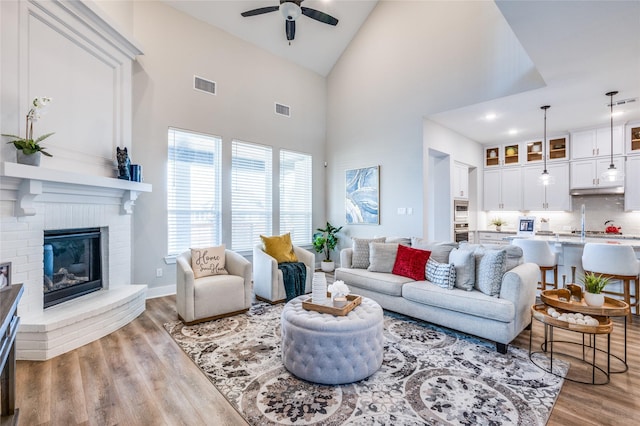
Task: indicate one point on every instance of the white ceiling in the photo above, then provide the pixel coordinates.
(581, 49)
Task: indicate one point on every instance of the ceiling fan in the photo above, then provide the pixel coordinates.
(291, 10)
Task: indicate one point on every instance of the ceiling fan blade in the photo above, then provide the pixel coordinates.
(260, 11)
(319, 16)
(290, 29)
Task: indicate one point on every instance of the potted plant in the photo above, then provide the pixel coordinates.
(29, 149)
(324, 242)
(593, 286)
(498, 223)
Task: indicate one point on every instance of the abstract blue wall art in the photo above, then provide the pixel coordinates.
(363, 196)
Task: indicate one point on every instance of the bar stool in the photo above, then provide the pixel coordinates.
(618, 262)
(540, 253)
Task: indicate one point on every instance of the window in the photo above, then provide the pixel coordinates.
(251, 188)
(193, 199)
(296, 196)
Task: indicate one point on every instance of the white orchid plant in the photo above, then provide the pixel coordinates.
(338, 289)
(28, 145)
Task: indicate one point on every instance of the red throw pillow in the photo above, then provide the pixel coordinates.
(411, 262)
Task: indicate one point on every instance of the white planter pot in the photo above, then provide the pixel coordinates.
(592, 299)
(327, 266)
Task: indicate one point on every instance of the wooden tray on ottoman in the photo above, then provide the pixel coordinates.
(605, 325)
(352, 299)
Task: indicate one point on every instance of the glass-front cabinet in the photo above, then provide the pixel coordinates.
(502, 155)
(492, 156)
(634, 133)
(556, 149)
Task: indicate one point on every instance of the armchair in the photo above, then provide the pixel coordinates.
(214, 296)
(268, 284)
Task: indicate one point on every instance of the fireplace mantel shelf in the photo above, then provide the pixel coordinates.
(31, 181)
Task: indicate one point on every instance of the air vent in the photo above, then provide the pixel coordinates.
(203, 85)
(283, 110)
(624, 101)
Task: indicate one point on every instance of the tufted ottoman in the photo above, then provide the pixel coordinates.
(328, 349)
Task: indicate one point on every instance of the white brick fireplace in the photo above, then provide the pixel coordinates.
(37, 199)
(72, 52)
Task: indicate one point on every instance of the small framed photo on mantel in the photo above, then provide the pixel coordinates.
(5, 274)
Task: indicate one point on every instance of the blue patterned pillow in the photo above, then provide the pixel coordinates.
(490, 271)
(441, 274)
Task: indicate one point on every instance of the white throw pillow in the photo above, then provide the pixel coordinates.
(208, 261)
(490, 272)
(465, 264)
(382, 257)
(441, 274)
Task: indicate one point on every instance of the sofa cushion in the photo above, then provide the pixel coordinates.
(411, 262)
(439, 250)
(441, 274)
(279, 247)
(465, 264)
(490, 272)
(382, 257)
(515, 256)
(405, 241)
(375, 281)
(457, 300)
(360, 257)
(208, 261)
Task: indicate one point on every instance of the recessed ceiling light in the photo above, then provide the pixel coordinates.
(617, 113)
(513, 131)
(490, 116)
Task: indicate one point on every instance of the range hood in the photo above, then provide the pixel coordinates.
(611, 190)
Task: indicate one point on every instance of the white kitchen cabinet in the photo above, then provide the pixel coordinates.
(460, 181)
(632, 186)
(597, 142)
(587, 173)
(503, 189)
(551, 197)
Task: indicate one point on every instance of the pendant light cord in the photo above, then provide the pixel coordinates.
(544, 141)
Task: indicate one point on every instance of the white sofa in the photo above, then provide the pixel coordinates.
(497, 318)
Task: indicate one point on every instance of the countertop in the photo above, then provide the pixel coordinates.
(575, 240)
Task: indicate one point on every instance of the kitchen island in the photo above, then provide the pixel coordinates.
(570, 246)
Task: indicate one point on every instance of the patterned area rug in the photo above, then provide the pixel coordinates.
(429, 375)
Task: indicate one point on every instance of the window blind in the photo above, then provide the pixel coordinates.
(251, 194)
(296, 196)
(193, 195)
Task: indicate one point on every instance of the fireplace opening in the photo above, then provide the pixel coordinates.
(72, 264)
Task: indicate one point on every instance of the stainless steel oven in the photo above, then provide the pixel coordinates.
(460, 211)
(461, 232)
(461, 220)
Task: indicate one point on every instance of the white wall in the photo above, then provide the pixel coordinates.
(249, 81)
(391, 76)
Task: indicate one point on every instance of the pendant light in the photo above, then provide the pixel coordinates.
(545, 178)
(612, 174)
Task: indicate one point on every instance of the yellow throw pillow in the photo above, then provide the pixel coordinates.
(208, 261)
(279, 247)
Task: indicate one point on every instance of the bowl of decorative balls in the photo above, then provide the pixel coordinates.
(572, 320)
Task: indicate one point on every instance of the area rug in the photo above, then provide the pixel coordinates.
(429, 375)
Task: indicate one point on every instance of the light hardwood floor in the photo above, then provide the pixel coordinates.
(139, 376)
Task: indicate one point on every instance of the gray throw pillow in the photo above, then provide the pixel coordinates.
(441, 274)
(439, 250)
(360, 257)
(490, 272)
(382, 257)
(465, 264)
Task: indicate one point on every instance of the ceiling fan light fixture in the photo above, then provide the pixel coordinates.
(290, 11)
(612, 174)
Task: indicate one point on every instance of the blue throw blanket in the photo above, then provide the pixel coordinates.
(294, 275)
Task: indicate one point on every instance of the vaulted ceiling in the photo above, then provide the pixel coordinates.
(579, 50)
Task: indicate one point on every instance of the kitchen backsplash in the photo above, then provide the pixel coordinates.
(598, 209)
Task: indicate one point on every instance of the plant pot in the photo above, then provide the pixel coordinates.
(30, 159)
(498, 228)
(593, 299)
(327, 266)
